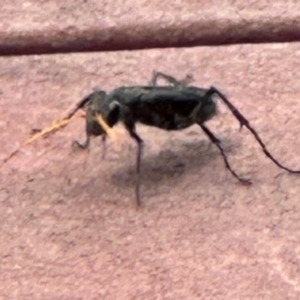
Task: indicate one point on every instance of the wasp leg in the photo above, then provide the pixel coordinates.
(103, 137)
(131, 129)
(156, 75)
(83, 146)
(244, 122)
(217, 142)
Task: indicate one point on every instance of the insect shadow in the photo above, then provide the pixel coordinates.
(170, 164)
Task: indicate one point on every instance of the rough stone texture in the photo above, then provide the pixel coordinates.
(69, 229)
(62, 26)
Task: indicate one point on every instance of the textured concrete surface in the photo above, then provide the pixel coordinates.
(66, 26)
(69, 229)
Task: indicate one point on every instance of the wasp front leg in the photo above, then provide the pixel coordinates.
(83, 146)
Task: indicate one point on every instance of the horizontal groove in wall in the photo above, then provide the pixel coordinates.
(146, 36)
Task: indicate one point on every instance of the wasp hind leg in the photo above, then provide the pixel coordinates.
(217, 142)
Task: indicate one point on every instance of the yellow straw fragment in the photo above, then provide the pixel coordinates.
(56, 125)
(109, 131)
